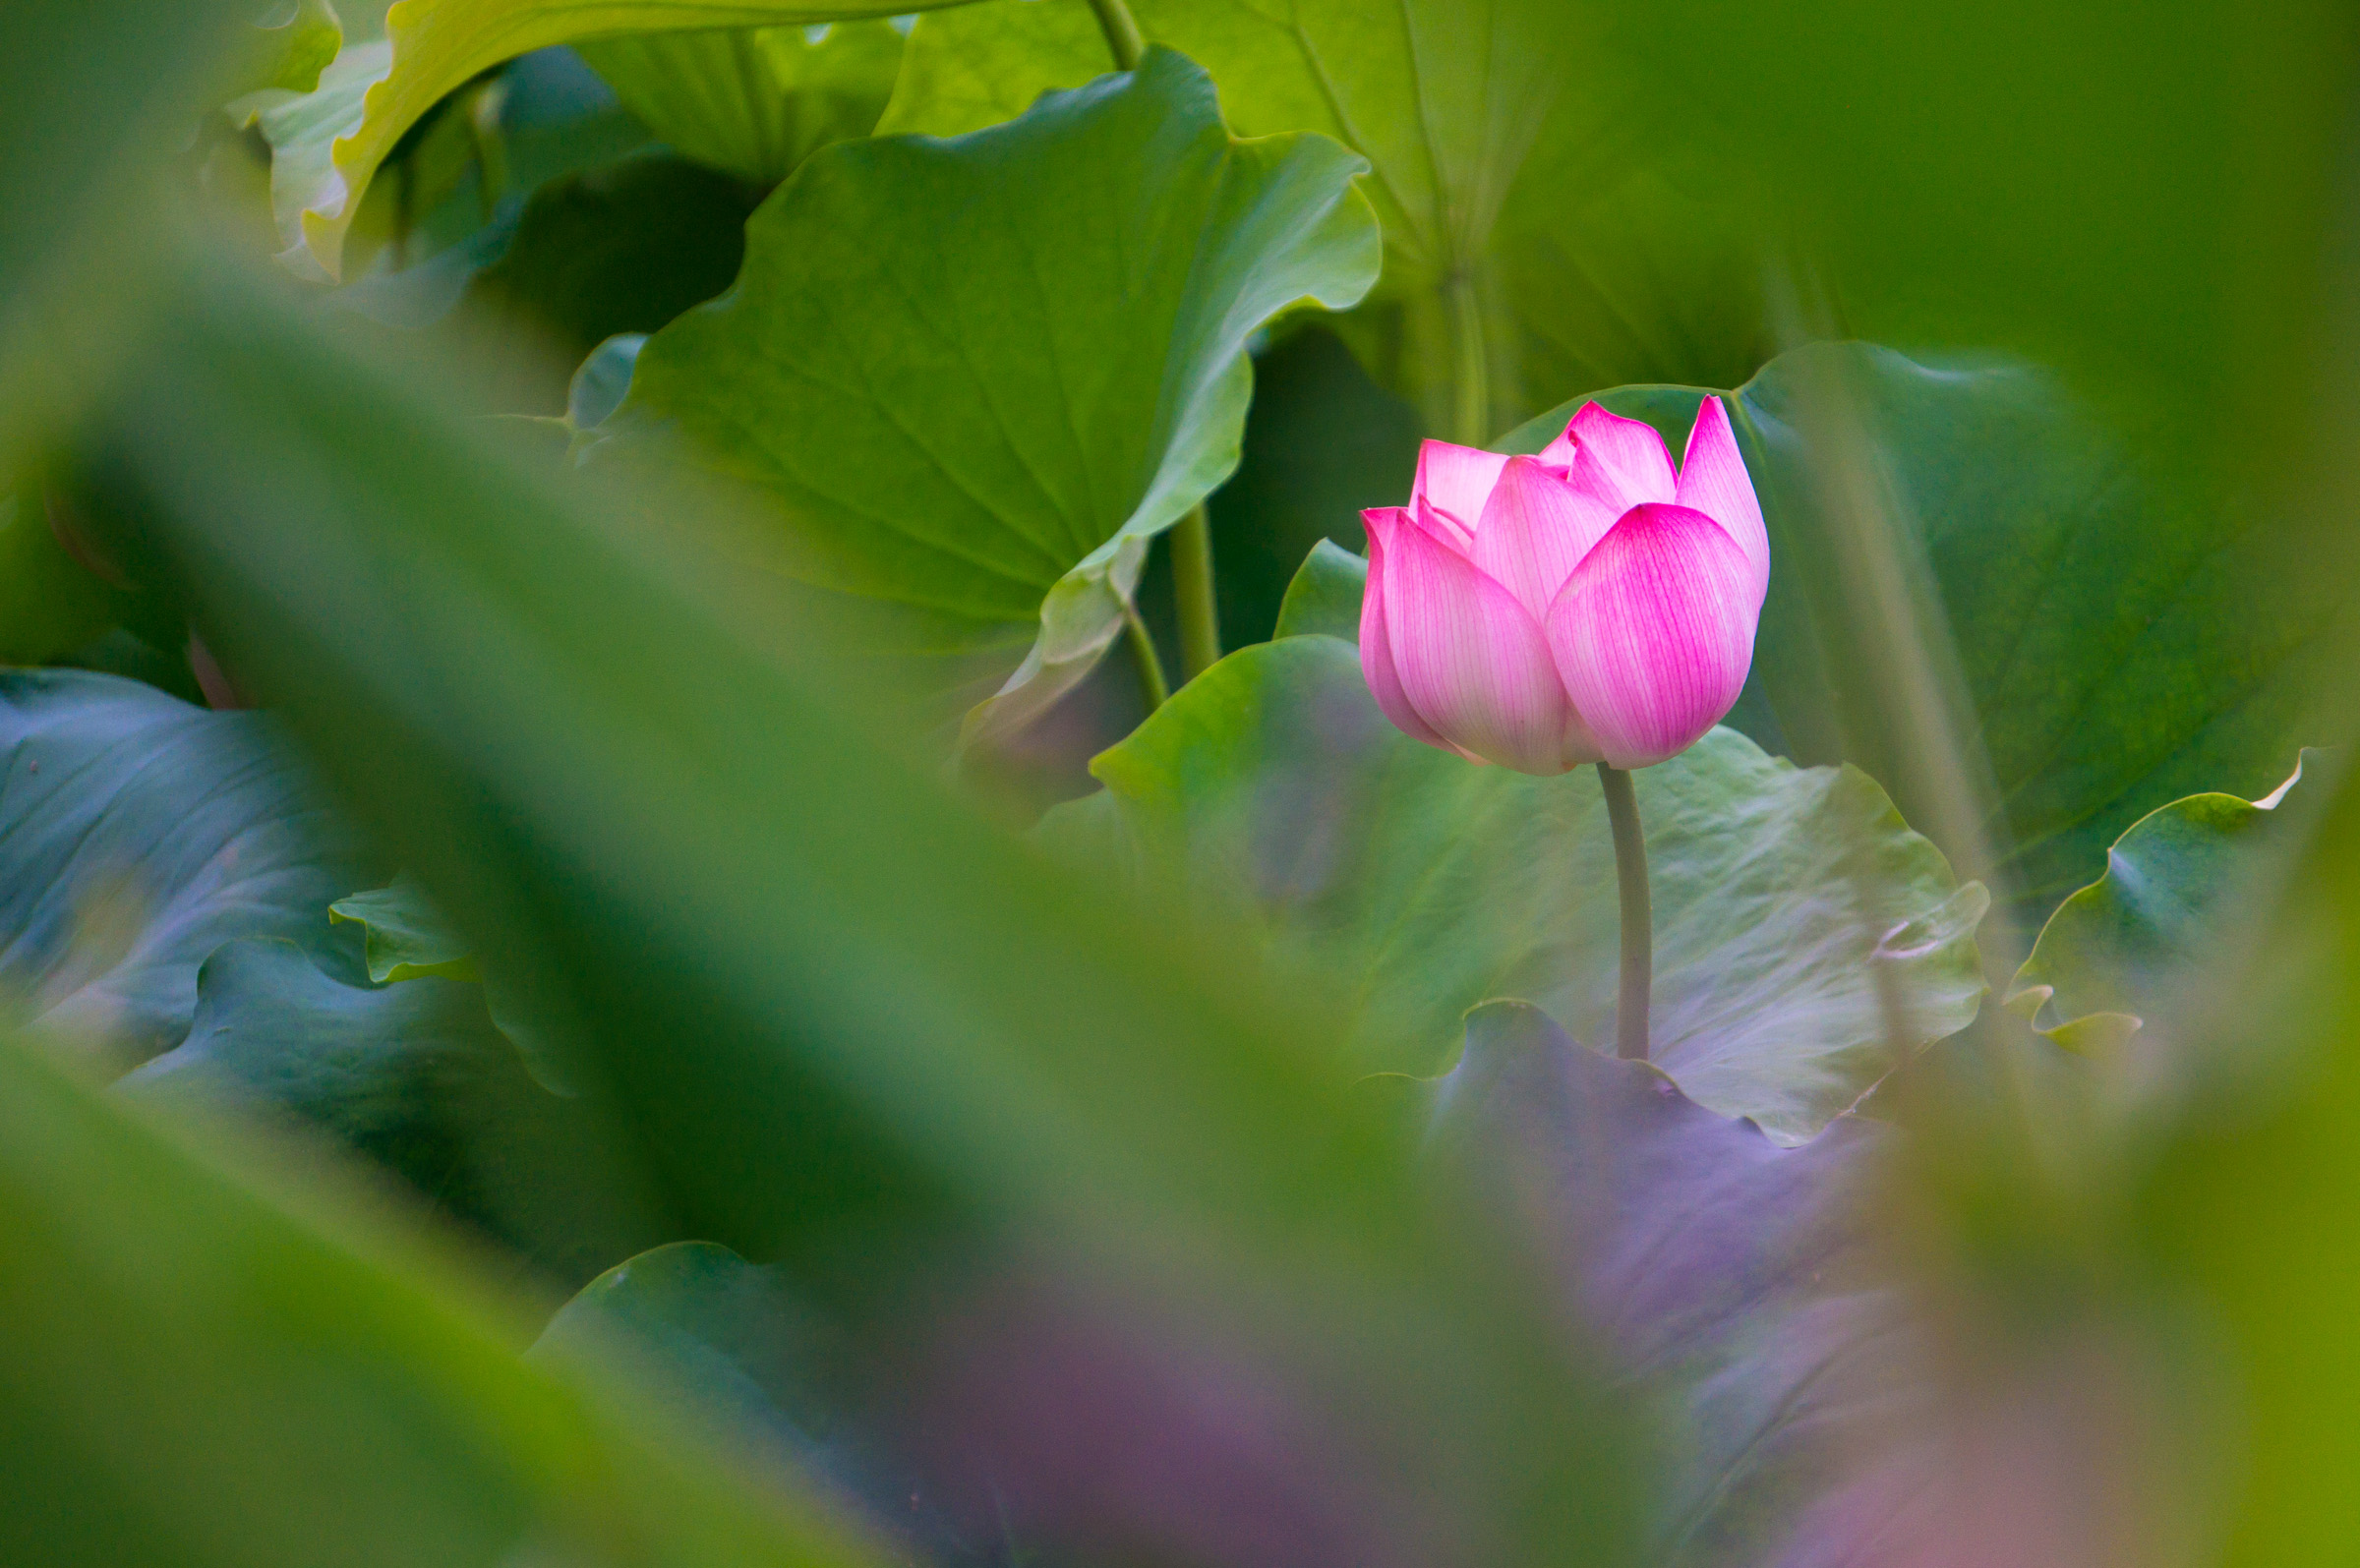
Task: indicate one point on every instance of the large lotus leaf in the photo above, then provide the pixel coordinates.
(2126, 949)
(1806, 941)
(973, 379)
(1515, 170)
(138, 833)
(1733, 1280)
(241, 1362)
(2102, 617)
(754, 101)
(415, 1079)
(369, 100)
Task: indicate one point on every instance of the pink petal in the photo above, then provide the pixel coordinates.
(1375, 650)
(1622, 461)
(1654, 632)
(1713, 481)
(1473, 663)
(1454, 480)
(1535, 529)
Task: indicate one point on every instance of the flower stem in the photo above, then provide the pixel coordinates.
(1471, 416)
(1192, 586)
(1122, 33)
(1639, 917)
(1143, 656)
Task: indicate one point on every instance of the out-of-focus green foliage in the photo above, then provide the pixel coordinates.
(416, 1080)
(1064, 387)
(905, 1023)
(232, 1373)
(1806, 941)
(754, 101)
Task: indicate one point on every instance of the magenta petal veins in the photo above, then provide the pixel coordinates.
(1714, 481)
(1535, 529)
(1376, 647)
(1471, 661)
(1653, 634)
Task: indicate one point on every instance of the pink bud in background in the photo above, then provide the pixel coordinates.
(1587, 605)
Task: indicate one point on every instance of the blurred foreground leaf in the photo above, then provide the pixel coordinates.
(1050, 372)
(1807, 942)
(415, 1079)
(228, 1376)
(852, 1028)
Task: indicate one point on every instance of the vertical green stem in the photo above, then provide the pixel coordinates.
(1143, 656)
(1192, 586)
(1471, 405)
(1123, 37)
(1638, 916)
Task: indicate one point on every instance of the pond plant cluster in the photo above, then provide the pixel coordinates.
(1184, 782)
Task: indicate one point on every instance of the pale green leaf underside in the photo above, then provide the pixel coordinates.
(1419, 885)
(433, 47)
(404, 937)
(974, 377)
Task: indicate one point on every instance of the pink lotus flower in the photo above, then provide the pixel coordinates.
(1584, 606)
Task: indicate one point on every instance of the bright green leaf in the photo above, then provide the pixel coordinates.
(973, 379)
(2101, 616)
(1520, 176)
(300, 39)
(405, 937)
(1793, 907)
(433, 48)
(1324, 598)
(754, 101)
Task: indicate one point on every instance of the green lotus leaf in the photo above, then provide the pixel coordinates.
(1520, 175)
(138, 833)
(405, 937)
(415, 1079)
(375, 94)
(972, 378)
(2101, 616)
(1324, 598)
(754, 101)
(2122, 950)
(1807, 942)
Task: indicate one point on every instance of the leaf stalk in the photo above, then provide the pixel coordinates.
(1143, 656)
(1638, 915)
(1193, 588)
(1123, 37)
